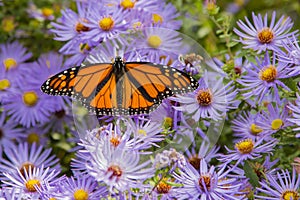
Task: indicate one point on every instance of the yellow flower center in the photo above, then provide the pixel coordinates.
(168, 122)
(31, 184)
(163, 187)
(156, 18)
(290, 195)
(137, 25)
(268, 73)
(25, 167)
(115, 141)
(276, 124)
(8, 24)
(47, 12)
(255, 130)
(204, 97)
(33, 137)
(4, 84)
(154, 41)
(127, 4)
(106, 23)
(81, 194)
(116, 171)
(9, 63)
(245, 146)
(265, 36)
(206, 180)
(30, 98)
(142, 132)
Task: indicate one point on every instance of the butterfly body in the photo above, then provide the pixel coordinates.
(120, 88)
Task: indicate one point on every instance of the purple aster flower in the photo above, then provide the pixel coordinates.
(9, 131)
(295, 118)
(284, 186)
(70, 26)
(166, 17)
(104, 25)
(159, 42)
(209, 100)
(80, 187)
(264, 78)
(248, 149)
(205, 152)
(36, 134)
(30, 180)
(12, 58)
(144, 133)
(30, 107)
(206, 183)
(245, 125)
(8, 85)
(263, 35)
(22, 156)
(78, 53)
(118, 168)
(291, 55)
(45, 13)
(274, 120)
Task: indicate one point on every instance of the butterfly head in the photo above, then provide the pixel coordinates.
(118, 64)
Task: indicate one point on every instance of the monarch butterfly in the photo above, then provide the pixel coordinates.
(120, 88)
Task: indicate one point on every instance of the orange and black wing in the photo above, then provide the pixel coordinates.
(94, 86)
(147, 84)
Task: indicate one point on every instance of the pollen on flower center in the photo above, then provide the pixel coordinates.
(195, 162)
(255, 130)
(33, 137)
(4, 84)
(142, 132)
(9, 63)
(30, 98)
(81, 194)
(276, 124)
(206, 180)
(163, 187)
(127, 4)
(168, 121)
(25, 167)
(154, 41)
(265, 36)
(204, 97)
(245, 146)
(81, 28)
(115, 141)
(156, 18)
(47, 12)
(106, 23)
(290, 195)
(116, 171)
(31, 184)
(268, 73)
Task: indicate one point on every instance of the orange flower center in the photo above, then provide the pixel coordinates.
(206, 180)
(31, 184)
(265, 36)
(116, 171)
(204, 97)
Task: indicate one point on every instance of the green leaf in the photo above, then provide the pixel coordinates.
(250, 173)
(290, 83)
